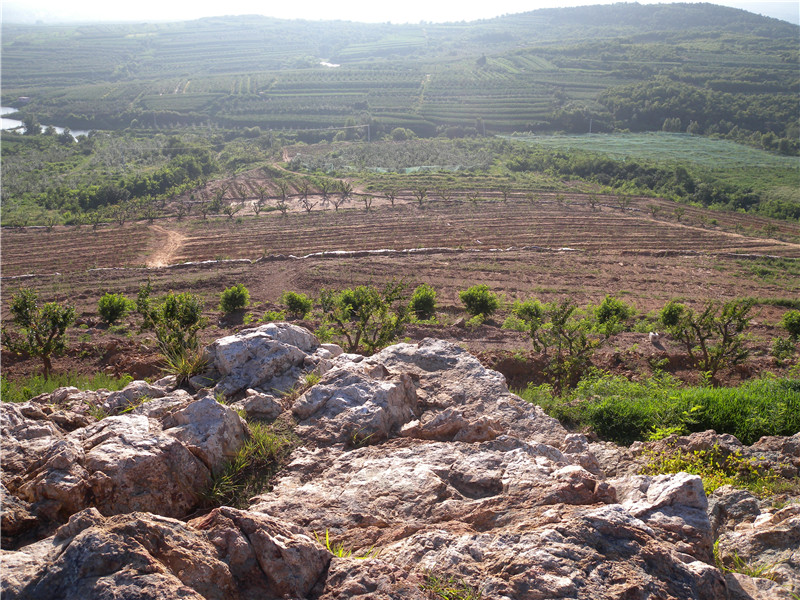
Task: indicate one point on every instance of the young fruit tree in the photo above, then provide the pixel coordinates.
(714, 337)
(42, 328)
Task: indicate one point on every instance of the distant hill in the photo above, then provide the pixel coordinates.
(623, 66)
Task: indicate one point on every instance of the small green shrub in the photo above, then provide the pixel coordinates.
(782, 349)
(611, 315)
(713, 337)
(715, 467)
(234, 298)
(479, 300)
(176, 320)
(366, 315)
(297, 305)
(113, 307)
(423, 302)
(791, 323)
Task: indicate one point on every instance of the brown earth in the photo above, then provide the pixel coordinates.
(547, 250)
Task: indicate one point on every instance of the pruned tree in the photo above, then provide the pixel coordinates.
(307, 204)
(391, 194)
(282, 206)
(367, 200)
(231, 210)
(421, 194)
(505, 190)
(283, 189)
(42, 329)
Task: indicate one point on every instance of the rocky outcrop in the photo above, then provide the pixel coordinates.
(272, 357)
(417, 454)
(224, 555)
(158, 459)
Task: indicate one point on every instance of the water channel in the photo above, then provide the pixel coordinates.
(8, 124)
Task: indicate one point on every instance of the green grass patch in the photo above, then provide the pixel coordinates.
(717, 468)
(24, 389)
(249, 473)
(624, 411)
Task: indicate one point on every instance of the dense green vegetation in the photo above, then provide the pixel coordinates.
(175, 104)
(712, 68)
(625, 411)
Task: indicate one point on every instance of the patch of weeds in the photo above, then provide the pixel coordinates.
(250, 471)
(475, 321)
(782, 349)
(118, 329)
(23, 390)
(716, 468)
(341, 551)
(448, 587)
(184, 363)
(300, 388)
(736, 564)
(271, 316)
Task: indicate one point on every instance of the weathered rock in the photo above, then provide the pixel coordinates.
(675, 505)
(457, 392)
(260, 406)
(227, 554)
(562, 552)
(268, 556)
(133, 465)
(728, 506)
(120, 464)
(381, 493)
(356, 406)
(371, 579)
(770, 543)
(273, 355)
(133, 394)
(212, 432)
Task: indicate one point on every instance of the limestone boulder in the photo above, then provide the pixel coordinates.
(159, 458)
(272, 356)
(356, 406)
(462, 400)
(225, 555)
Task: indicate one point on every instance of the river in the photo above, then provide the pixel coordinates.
(15, 124)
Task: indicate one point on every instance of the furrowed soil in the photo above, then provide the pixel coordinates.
(548, 250)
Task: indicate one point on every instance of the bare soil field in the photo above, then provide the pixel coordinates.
(547, 250)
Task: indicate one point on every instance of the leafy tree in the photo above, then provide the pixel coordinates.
(366, 315)
(791, 323)
(113, 307)
(423, 302)
(297, 305)
(714, 337)
(479, 300)
(234, 298)
(42, 328)
(555, 327)
(611, 315)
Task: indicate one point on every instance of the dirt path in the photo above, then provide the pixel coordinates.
(168, 244)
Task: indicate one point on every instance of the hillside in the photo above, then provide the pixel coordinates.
(553, 69)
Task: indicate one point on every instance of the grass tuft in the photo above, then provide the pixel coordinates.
(23, 390)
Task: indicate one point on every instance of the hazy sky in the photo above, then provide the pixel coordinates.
(403, 11)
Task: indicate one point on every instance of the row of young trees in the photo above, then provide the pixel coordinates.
(368, 317)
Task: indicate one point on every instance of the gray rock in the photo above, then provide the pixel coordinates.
(355, 406)
(254, 357)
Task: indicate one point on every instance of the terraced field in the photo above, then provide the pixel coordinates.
(484, 226)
